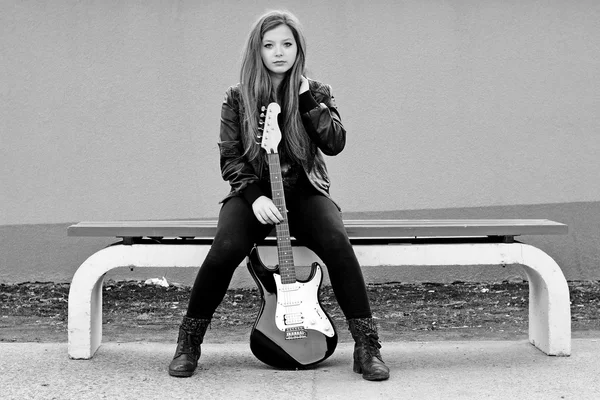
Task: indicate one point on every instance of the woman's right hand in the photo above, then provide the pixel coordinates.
(265, 211)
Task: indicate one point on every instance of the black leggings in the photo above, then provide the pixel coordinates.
(314, 219)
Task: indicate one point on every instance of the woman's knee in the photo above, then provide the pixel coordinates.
(228, 248)
(334, 240)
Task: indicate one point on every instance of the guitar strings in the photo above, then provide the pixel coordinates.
(284, 248)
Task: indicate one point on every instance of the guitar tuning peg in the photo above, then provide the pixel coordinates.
(263, 108)
(262, 115)
(261, 122)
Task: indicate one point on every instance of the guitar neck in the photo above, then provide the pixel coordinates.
(284, 245)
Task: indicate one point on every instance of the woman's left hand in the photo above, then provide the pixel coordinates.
(303, 84)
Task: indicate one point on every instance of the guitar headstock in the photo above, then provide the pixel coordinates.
(271, 135)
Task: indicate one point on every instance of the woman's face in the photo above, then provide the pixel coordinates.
(279, 50)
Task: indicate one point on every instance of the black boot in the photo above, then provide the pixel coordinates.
(367, 358)
(191, 335)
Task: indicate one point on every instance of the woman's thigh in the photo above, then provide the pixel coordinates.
(237, 229)
(317, 222)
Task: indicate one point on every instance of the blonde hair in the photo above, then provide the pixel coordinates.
(257, 88)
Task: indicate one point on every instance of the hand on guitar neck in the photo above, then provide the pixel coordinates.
(266, 211)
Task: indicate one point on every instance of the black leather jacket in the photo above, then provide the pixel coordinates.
(321, 121)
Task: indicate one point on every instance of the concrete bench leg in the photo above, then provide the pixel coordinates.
(85, 293)
(85, 308)
(549, 301)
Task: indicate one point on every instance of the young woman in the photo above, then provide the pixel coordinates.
(273, 70)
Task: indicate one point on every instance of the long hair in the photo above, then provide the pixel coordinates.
(257, 89)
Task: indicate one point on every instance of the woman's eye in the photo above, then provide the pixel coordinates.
(288, 45)
(268, 45)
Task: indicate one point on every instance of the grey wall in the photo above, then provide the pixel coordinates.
(110, 110)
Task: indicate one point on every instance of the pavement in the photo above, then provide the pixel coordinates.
(419, 370)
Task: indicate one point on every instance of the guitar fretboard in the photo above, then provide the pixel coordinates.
(284, 244)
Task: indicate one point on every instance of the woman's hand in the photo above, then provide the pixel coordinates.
(303, 84)
(265, 211)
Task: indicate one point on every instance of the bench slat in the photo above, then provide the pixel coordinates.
(392, 228)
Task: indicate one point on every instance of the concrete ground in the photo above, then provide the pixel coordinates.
(420, 370)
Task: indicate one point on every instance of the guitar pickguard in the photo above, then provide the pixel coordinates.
(298, 308)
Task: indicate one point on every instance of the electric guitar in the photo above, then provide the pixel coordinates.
(292, 330)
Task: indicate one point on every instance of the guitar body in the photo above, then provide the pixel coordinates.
(292, 330)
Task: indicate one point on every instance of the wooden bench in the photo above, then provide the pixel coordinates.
(376, 243)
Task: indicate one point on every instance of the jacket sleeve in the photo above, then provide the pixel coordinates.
(322, 120)
(235, 167)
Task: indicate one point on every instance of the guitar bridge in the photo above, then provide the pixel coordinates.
(295, 333)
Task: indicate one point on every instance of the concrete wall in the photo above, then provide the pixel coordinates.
(110, 109)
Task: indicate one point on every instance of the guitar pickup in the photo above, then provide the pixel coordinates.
(293, 319)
